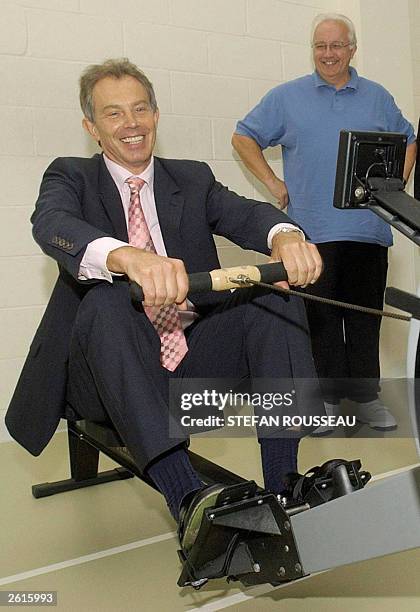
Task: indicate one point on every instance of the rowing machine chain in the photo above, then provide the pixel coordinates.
(242, 280)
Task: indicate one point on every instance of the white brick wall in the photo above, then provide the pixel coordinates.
(17, 326)
(18, 237)
(210, 61)
(13, 29)
(297, 60)
(242, 56)
(30, 82)
(58, 132)
(281, 21)
(184, 137)
(17, 131)
(209, 96)
(215, 16)
(146, 11)
(53, 34)
(415, 49)
(166, 47)
(10, 168)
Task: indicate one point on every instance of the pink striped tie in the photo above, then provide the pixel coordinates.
(165, 319)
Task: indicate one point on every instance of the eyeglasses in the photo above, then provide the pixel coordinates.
(335, 46)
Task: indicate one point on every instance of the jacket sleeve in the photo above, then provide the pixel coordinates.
(245, 222)
(59, 226)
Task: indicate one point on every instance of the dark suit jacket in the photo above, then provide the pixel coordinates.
(78, 203)
(417, 168)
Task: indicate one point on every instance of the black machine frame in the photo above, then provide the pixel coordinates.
(369, 176)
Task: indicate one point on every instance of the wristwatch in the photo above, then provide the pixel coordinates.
(286, 230)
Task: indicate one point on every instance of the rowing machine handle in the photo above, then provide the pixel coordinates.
(221, 279)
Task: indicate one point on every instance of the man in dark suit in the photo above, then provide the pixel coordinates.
(103, 357)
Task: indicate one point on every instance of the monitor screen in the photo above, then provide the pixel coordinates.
(362, 155)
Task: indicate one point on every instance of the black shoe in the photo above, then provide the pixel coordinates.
(319, 484)
(191, 514)
(286, 497)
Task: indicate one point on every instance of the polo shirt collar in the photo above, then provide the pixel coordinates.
(352, 83)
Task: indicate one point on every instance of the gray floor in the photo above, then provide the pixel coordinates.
(113, 547)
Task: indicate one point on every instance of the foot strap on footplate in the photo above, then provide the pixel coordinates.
(246, 536)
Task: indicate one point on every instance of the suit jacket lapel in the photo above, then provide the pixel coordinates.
(111, 201)
(169, 206)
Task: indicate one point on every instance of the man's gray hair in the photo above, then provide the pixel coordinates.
(335, 17)
(116, 68)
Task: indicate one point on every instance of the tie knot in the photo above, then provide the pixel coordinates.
(135, 184)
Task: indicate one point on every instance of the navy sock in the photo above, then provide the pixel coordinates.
(175, 478)
(278, 457)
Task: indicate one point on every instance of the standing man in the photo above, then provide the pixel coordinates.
(305, 116)
(127, 215)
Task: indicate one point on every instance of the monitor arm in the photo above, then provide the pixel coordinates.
(388, 200)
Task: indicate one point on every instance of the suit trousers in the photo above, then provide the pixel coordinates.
(345, 342)
(115, 371)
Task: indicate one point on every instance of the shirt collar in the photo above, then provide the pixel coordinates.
(352, 83)
(121, 174)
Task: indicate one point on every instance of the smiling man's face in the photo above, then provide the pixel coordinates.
(332, 64)
(124, 122)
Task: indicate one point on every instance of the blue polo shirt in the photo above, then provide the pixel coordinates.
(305, 116)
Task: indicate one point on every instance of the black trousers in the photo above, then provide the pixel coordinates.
(115, 372)
(345, 343)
